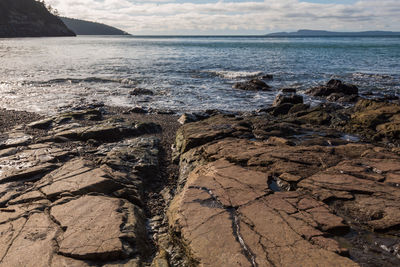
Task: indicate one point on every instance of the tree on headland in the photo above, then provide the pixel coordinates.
(52, 10)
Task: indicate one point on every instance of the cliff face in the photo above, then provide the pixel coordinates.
(28, 18)
(82, 27)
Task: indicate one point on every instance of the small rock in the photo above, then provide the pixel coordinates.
(267, 77)
(192, 117)
(141, 91)
(289, 90)
(252, 85)
(42, 124)
(139, 110)
(299, 108)
(287, 98)
(282, 109)
(166, 111)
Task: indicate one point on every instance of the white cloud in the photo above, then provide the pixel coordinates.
(173, 17)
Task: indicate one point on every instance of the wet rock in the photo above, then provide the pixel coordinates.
(252, 85)
(323, 114)
(390, 97)
(192, 117)
(16, 139)
(139, 110)
(80, 114)
(332, 87)
(161, 260)
(375, 119)
(287, 98)
(138, 155)
(141, 91)
(342, 98)
(108, 131)
(217, 127)
(42, 124)
(267, 77)
(299, 108)
(32, 163)
(167, 111)
(289, 90)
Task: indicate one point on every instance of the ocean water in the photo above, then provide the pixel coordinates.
(186, 73)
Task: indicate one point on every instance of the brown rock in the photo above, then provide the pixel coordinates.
(198, 133)
(32, 243)
(78, 177)
(100, 228)
(371, 202)
(376, 119)
(287, 98)
(334, 86)
(32, 162)
(231, 206)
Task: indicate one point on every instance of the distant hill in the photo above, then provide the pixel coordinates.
(82, 27)
(312, 33)
(29, 18)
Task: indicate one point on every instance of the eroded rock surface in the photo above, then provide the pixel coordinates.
(377, 120)
(75, 203)
(256, 192)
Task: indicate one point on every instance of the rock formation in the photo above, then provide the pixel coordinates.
(336, 90)
(88, 188)
(257, 191)
(64, 202)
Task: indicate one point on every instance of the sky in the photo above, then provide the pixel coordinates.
(231, 17)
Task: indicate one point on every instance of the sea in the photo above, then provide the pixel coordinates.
(189, 73)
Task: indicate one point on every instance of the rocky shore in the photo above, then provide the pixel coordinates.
(289, 185)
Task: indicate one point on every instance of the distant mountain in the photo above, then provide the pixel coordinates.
(83, 27)
(312, 33)
(29, 18)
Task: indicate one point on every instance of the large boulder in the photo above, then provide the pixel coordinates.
(335, 90)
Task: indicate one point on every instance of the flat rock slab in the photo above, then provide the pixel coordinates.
(28, 242)
(31, 162)
(227, 216)
(363, 182)
(106, 131)
(74, 204)
(78, 177)
(100, 228)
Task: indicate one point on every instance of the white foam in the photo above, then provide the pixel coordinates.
(237, 74)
